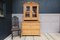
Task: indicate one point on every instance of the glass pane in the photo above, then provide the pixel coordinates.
(28, 8)
(34, 13)
(27, 14)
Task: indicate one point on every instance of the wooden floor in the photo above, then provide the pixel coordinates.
(44, 36)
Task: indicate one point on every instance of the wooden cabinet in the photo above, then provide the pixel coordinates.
(30, 28)
(30, 23)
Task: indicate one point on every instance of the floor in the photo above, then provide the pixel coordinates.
(44, 36)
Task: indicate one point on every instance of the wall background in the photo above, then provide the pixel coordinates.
(49, 22)
(46, 6)
(5, 22)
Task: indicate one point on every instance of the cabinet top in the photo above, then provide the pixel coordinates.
(30, 3)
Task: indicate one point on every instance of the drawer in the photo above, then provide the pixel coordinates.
(35, 32)
(30, 32)
(26, 27)
(35, 24)
(27, 23)
(31, 25)
(26, 32)
(35, 27)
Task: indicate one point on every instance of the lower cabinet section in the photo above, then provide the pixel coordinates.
(31, 32)
(30, 28)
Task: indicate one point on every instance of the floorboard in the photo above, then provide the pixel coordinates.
(43, 36)
(48, 36)
(37, 38)
(29, 37)
(23, 38)
(55, 36)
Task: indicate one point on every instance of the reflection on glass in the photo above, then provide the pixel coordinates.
(27, 14)
(34, 14)
(28, 8)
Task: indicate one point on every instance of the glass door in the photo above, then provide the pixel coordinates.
(27, 14)
(34, 11)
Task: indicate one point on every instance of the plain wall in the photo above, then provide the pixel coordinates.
(5, 22)
(45, 6)
(59, 24)
(48, 22)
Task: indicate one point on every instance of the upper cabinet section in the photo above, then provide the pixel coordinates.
(31, 11)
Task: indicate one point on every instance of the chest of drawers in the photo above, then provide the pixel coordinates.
(30, 28)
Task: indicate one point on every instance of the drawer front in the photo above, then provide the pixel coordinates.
(31, 25)
(30, 32)
(35, 27)
(26, 27)
(35, 24)
(27, 23)
(35, 32)
(26, 32)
